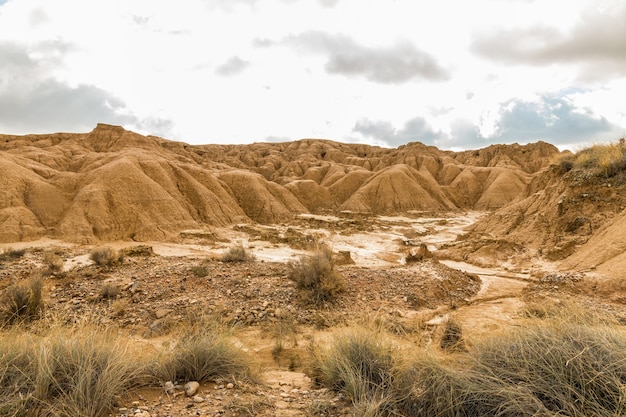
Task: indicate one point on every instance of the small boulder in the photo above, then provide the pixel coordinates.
(191, 388)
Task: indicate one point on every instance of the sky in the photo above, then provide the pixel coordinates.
(455, 74)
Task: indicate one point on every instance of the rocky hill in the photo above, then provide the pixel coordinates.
(112, 184)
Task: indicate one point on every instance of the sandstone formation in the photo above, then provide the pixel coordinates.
(112, 184)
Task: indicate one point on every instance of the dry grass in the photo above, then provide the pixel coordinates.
(22, 302)
(52, 261)
(237, 254)
(571, 362)
(316, 278)
(10, 253)
(204, 353)
(605, 160)
(105, 256)
(64, 373)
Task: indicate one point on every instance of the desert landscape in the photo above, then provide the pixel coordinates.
(145, 277)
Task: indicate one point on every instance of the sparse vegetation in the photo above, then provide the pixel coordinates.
(64, 374)
(200, 271)
(358, 362)
(316, 278)
(109, 291)
(52, 262)
(11, 253)
(105, 256)
(237, 254)
(202, 355)
(606, 160)
(22, 301)
(569, 364)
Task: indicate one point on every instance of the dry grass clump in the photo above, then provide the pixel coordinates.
(52, 262)
(237, 254)
(605, 160)
(105, 256)
(571, 363)
(358, 362)
(203, 354)
(22, 302)
(109, 291)
(10, 253)
(200, 271)
(316, 278)
(64, 374)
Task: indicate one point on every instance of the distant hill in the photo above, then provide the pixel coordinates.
(112, 184)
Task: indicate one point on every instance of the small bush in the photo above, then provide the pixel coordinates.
(316, 277)
(105, 256)
(22, 302)
(10, 253)
(358, 362)
(64, 374)
(109, 291)
(53, 262)
(452, 337)
(200, 271)
(237, 254)
(203, 355)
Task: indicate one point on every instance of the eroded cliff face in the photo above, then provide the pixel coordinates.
(112, 184)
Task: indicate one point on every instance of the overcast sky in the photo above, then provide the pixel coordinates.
(456, 74)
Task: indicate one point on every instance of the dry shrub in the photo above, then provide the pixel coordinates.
(452, 337)
(572, 363)
(358, 362)
(237, 254)
(22, 302)
(10, 253)
(64, 374)
(605, 160)
(200, 271)
(105, 256)
(52, 262)
(203, 354)
(316, 278)
(109, 291)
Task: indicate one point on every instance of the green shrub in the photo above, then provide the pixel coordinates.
(22, 301)
(237, 254)
(316, 278)
(105, 256)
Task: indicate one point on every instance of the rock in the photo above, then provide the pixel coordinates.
(230, 385)
(198, 399)
(191, 388)
(168, 387)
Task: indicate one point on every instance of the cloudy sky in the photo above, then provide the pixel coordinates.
(456, 74)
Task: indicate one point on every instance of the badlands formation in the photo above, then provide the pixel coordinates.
(422, 237)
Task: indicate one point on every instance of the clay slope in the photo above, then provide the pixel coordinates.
(113, 184)
(573, 217)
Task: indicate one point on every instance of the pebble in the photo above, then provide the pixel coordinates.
(191, 388)
(168, 387)
(198, 399)
(230, 385)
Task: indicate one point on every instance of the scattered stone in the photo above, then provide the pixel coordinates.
(198, 399)
(191, 388)
(168, 387)
(230, 385)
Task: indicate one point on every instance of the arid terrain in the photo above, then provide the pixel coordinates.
(420, 238)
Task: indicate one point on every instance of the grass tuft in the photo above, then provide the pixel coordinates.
(237, 254)
(316, 278)
(105, 256)
(204, 354)
(22, 302)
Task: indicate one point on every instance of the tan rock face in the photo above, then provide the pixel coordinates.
(112, 184)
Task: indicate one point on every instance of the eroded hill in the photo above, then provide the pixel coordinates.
(112, 184)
